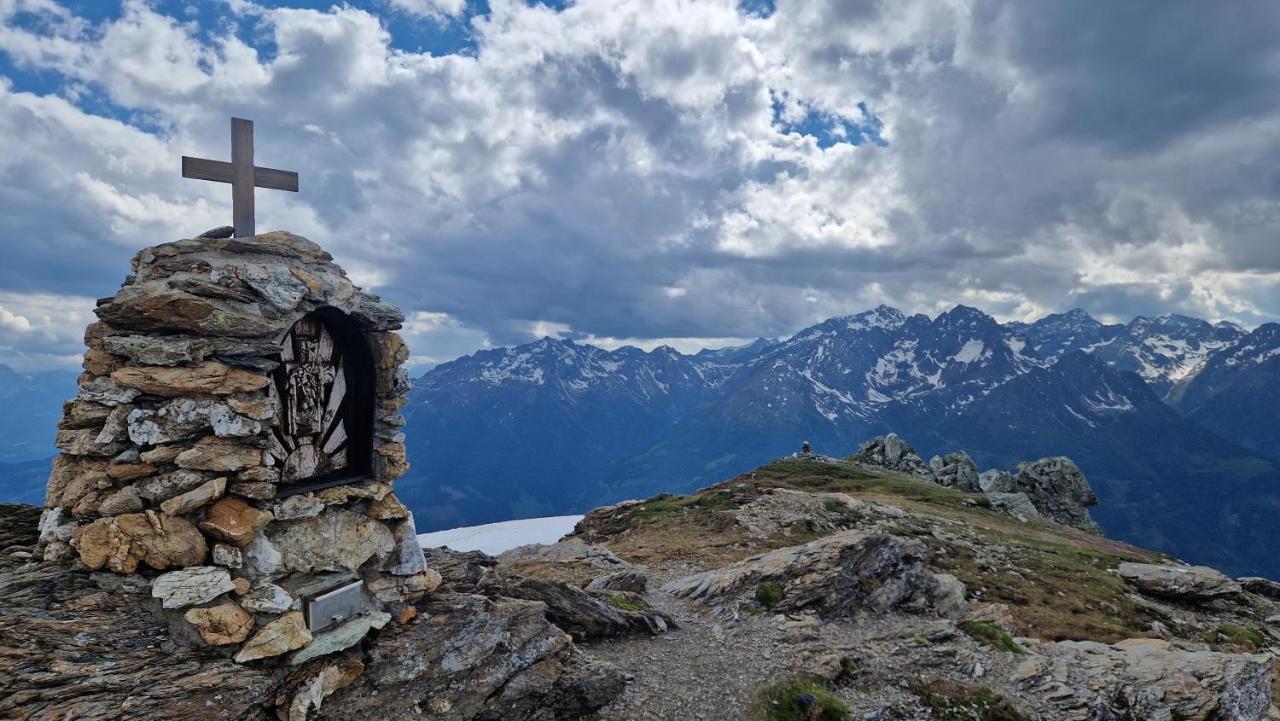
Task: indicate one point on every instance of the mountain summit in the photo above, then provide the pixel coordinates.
(1155, 411)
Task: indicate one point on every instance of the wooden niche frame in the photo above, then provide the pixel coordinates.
(356, 410)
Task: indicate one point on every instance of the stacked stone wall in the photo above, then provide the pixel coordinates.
(169, 467)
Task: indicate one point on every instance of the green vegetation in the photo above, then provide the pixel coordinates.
(952, 702)
(831, 505)
(989, 634)
(1237, 638)
(800, 698)
(769, 594)
(625, 603)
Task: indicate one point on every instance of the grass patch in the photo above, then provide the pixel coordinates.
(800, 698)
(624, 603)
(1237, 638)
(989, 634)
(769, 594)
(952, 702)
(831, 505)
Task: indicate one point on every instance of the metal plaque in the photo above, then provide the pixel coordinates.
(335, 605)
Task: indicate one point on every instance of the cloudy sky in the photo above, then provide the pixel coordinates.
(656, 171)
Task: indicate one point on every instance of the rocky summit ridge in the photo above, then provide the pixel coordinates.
(876, 585)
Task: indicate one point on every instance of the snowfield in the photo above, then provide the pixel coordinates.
(494, 538)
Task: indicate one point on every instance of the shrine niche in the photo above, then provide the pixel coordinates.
(323, 391)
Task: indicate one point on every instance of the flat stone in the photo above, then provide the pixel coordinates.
(340, 638)
(157, 350)
(285, 634)
(298, 507)
(267, 598)
(125, 500)
(257, 407)
(120, 543)
(105, 391)
(389, 461)
(84, 442)
(339, 495)
(257, 490)
(234, 521)
(1182, 582)
(184, 418)
(191, 586)
(209, 377)
(130, 471)
(220, 625)
(83, 414)
(157, 307)
(161, 455)
(335, 540)
(200, 496)
(227, 556)
(167, 485)
(219, 454)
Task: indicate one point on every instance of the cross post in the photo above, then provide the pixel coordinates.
(242, 174)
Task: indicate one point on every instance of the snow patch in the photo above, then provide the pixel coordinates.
(494, 538)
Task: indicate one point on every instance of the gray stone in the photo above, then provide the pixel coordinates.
(340, 638)
(956, 470)
(1059, 491)
(1018, 505)
(297, 507)
(261, 559)
(893, 453)
(227, 556)
(125, 500)
(167, 485)
(107, 392)
(1191, 583)
(406, 558)
(201, 495)
(191, 586)
(267, 598)
(630, 581)
(184, 418)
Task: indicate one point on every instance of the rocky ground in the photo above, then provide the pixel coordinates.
(809, 589)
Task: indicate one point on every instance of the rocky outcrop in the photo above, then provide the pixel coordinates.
(1052, 488)
(581, 614)
(496, 660)
(1145, 679)
(89, 646)
(1059, 491)
(891, 452)
(1187, 583)
(839, 575)
(956, 470)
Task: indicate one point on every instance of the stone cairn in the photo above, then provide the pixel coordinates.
(233, 441)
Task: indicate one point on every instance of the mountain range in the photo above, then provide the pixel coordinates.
(1172, 418)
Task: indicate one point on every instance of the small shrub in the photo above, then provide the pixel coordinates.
(800, 698)
(769, 594)
(831, 505)
(989, 634)
(952, 702)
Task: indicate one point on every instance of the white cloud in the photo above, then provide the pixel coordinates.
(616, 170)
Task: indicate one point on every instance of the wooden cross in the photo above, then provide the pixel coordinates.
(242, 174)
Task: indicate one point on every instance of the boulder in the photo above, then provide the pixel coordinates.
(579, 613)
(956, 470)
(893, 453)
(1187, 583)
(1059, 491)
(191, 586)
(120, 543)
(838, 575)
(234, 521)
(221, 625)
(629, 581)
(285, 634)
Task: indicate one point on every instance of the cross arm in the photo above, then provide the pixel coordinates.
(223, 172)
